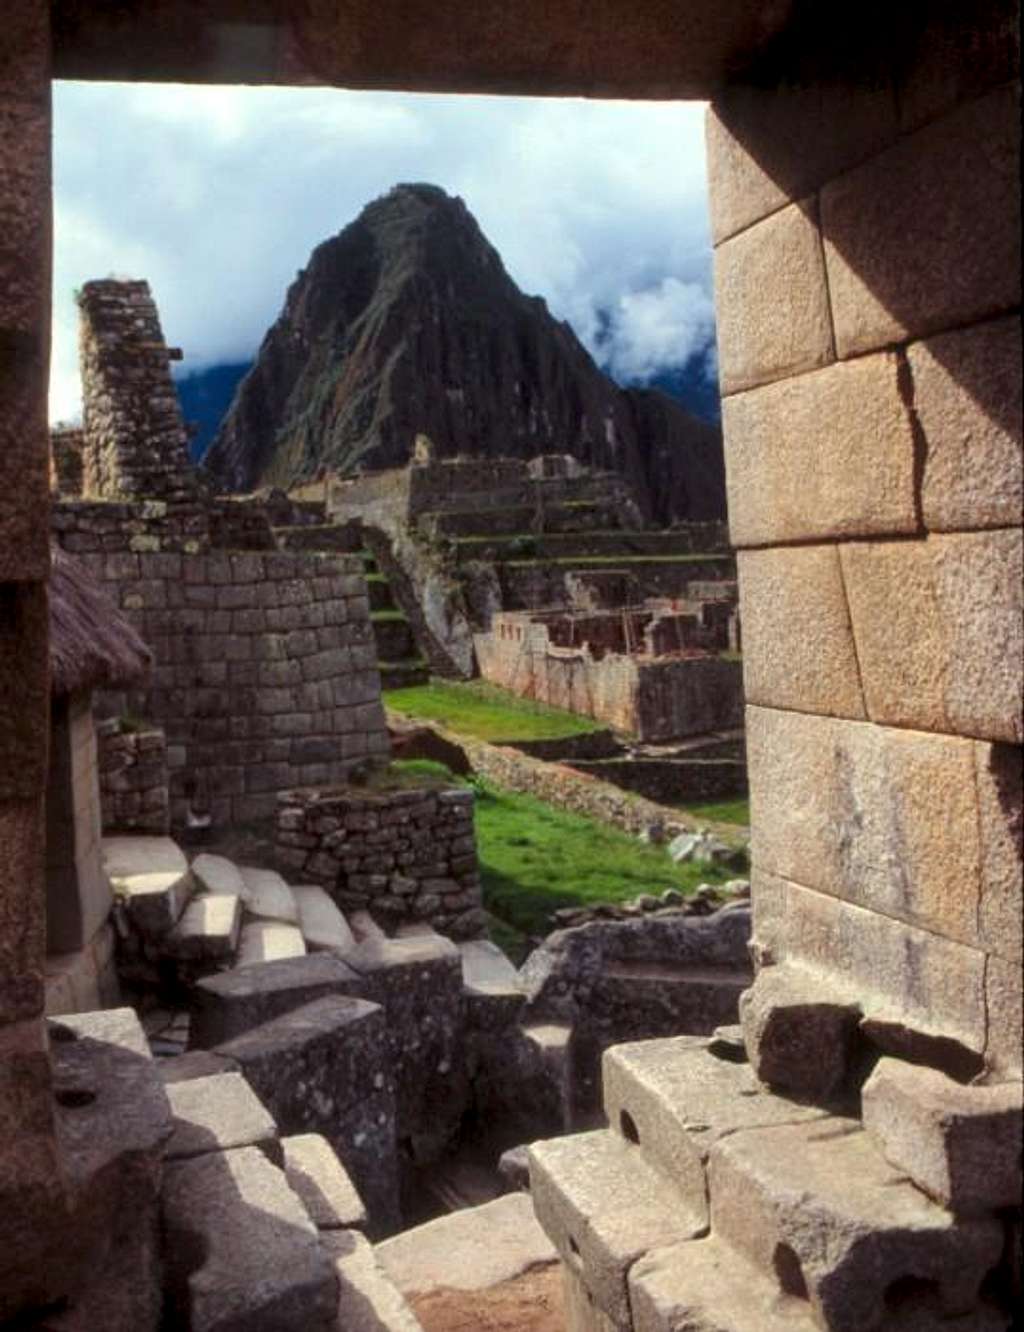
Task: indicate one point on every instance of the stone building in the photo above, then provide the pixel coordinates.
(92, 646)
(864, 169)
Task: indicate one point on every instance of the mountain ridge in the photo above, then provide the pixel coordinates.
(407, 322)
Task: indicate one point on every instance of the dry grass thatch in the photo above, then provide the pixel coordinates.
(92, 645)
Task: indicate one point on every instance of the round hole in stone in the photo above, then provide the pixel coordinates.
(907, 1291)
(74, 1098)
(574, 1247)
(628, 1126)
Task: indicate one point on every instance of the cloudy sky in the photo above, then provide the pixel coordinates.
(217, 196)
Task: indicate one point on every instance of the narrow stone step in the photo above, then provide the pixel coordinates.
(961, 1145)
(702, 1285)
(818, 1204)
(209, 928)
(551, 1040)
(151, 877)
(241, 1251)
(603, 1206)
(313, 1170)
(217, 874)
(367, 1300)
(676, 1098)
(494, 997)
(226, 1005)
(471, 1249)
(268, 941)
(322, 924)
(217, 1112)
(266, 895)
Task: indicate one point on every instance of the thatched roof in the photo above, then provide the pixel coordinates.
(92, 645)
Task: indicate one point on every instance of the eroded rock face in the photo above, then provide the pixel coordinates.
(407, 323)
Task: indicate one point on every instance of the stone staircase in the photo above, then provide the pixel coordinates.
(713, 1204)
(398, 656)
(192, 1210)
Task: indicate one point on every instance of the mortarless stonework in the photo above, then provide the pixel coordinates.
(135, 442)
(403, 855)
(266, 673)
(133, 778)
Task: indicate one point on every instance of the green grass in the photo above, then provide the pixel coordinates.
(722, 811)
(535, 858)
(485, 712)
(386, 616)
(572, 561)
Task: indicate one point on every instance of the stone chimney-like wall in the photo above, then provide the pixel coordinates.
(135, 440)
(867, 267)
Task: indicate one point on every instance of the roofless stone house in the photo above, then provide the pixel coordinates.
(864, 167)
(92, 646)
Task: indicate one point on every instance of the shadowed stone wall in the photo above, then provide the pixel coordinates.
(265, 673)
(867, 266)
(33, 1204)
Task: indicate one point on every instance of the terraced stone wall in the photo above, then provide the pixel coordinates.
(866, 224)
(265, 672)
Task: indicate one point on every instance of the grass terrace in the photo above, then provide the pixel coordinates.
(485, 712)
(535, 858)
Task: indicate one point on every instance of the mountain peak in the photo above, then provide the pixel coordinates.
(406, 322)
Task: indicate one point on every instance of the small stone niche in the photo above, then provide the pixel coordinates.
(404, 855)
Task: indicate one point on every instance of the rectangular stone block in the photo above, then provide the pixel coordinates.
(215, 1113)
(318, 1177)
(938, 630)
(234, 1002)
(1001, 828)
(242, 1253)
(967, 396)
(881, 817)
(799, 651)
(325, 1068)
(25, 214)
(768, 146)
(772, 300)
(914, 986)
(961, 1145)
(872, 1234)
(927, 235)
(822, 455)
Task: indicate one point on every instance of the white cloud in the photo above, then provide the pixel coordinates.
(218, 195)
(660, 325)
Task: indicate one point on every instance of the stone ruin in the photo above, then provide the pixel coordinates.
(851, 1158)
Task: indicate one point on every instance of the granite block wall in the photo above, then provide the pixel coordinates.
(868, 294)
(403, 855)
(134, 791)
(265, 671)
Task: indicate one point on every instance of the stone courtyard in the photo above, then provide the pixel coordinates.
(824, 1130)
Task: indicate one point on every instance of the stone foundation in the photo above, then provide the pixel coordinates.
(403, 855)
